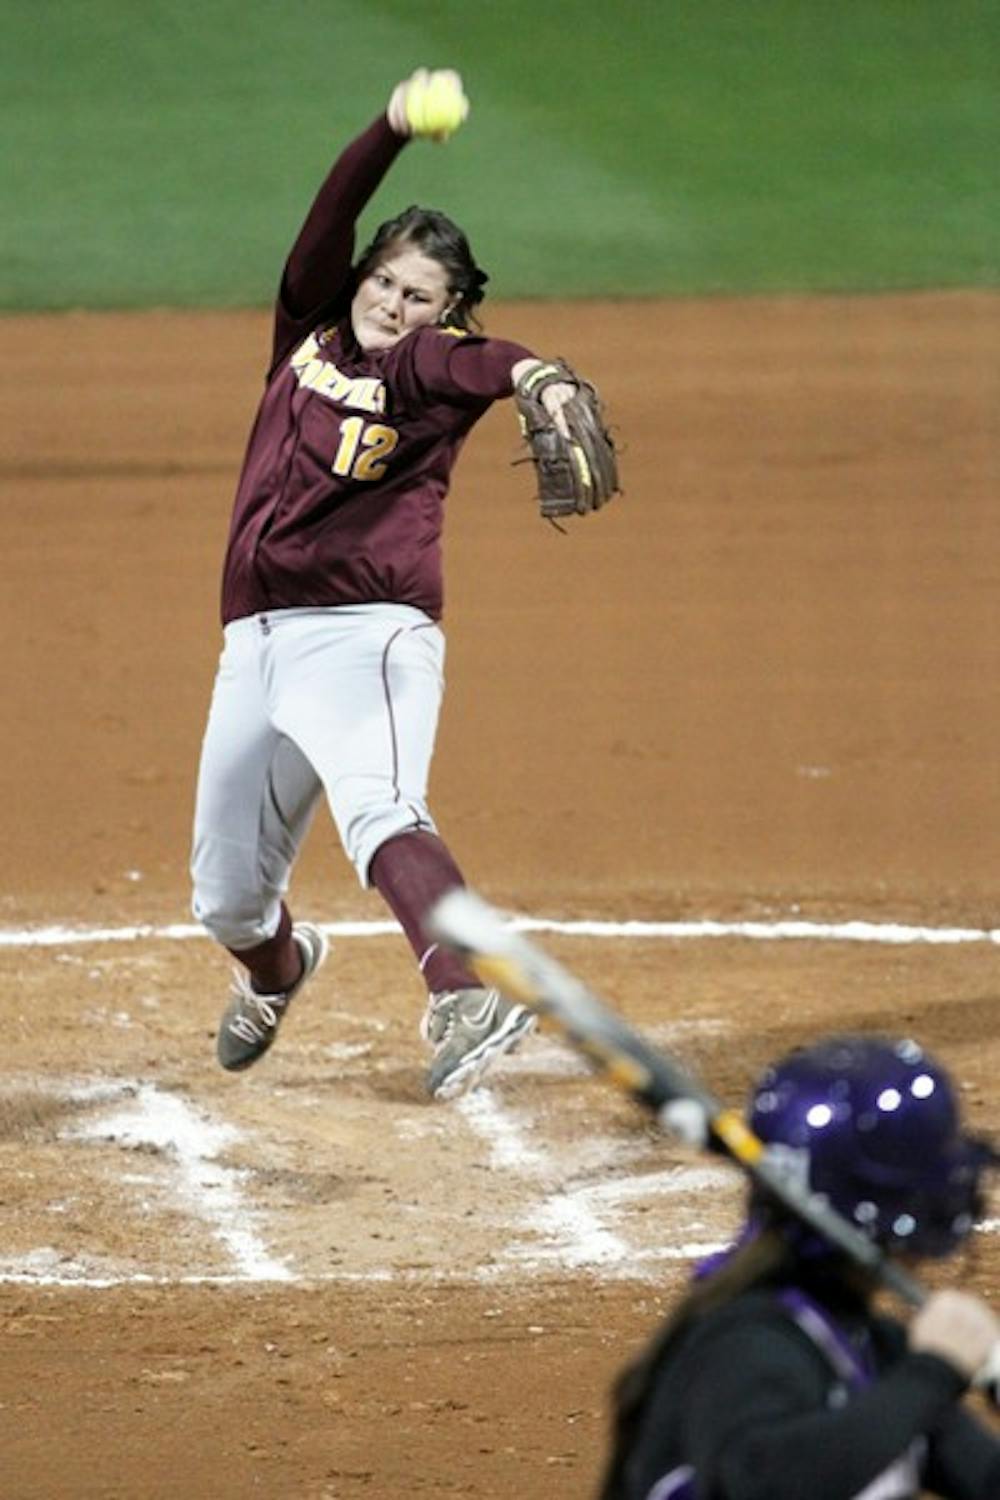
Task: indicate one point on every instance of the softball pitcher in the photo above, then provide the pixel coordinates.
(331, 674)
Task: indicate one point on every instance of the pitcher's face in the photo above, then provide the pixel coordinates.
(404, 291)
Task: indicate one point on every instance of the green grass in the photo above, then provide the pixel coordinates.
(165, 154)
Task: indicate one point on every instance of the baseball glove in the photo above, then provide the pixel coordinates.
(578, 473)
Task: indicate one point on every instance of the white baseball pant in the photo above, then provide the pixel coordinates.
(342, 700)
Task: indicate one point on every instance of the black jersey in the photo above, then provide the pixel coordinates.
(799, 1393)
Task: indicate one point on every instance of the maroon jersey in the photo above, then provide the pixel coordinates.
(341, 497)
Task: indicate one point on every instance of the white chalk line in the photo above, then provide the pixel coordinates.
(173, 932)
(569, 1219)
(575, 1234)
(189, 1140)
(783, 929)
(192, 1141)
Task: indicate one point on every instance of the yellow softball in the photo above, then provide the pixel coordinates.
(436, 104)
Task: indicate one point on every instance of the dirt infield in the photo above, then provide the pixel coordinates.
(760, 688)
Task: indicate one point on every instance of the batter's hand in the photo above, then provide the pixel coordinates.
(958, 1328)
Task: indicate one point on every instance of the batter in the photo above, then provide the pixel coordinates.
(332, 669)
(779, 1375)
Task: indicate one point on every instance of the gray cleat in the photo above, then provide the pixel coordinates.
(250, 1023)
(469, 1029)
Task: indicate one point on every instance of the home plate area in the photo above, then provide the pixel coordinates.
(124, 1181)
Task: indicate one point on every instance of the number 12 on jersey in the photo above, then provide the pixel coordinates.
(363, 449)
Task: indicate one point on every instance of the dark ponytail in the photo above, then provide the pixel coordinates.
(758, 1259)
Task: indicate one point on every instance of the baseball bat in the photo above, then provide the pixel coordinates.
(512, 963)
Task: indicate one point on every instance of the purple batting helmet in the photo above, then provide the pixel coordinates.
(875, 1126)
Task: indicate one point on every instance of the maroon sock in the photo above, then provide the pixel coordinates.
(410, 872)
(276, 964)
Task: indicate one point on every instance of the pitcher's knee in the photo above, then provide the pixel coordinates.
(234, 897)
(234, 925)
(237, 913)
